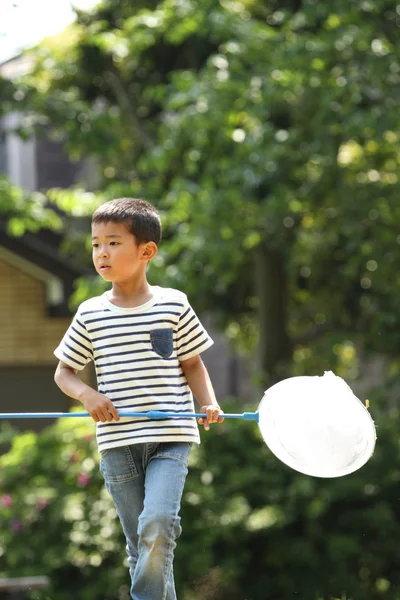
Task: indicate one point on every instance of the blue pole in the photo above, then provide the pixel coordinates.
(151, 414)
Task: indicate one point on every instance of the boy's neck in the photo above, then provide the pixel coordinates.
(130, 294)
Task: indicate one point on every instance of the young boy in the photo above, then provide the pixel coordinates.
(145, 342)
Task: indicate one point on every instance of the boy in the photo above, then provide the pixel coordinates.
(145, 342)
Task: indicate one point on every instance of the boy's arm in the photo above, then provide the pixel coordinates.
(200, 383)
(98, 406)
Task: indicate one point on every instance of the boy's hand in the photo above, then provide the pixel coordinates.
(100, 408)
(213, 413)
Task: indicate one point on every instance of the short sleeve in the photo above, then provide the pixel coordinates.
(75, 349)
(192, 339)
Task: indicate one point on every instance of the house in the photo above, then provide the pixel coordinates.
(40, 162)
(36, 283)
(36, 280)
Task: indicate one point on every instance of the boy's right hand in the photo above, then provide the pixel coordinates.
(100, 408)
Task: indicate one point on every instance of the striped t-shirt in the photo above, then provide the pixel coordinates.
(137, 354)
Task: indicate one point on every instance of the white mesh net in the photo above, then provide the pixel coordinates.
(317, 426)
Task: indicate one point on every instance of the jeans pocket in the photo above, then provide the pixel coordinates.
(117, 465)
(162, 342)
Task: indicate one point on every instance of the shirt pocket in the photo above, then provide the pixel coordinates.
(162, 342)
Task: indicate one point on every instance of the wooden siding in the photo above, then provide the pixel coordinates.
(28, 334)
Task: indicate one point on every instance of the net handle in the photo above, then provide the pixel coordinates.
(151, 414)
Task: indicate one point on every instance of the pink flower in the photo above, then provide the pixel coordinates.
(41, 504)
(6, 500)
(83, 479)
(16, 525)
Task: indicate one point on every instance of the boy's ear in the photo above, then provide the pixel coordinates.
(149, 251)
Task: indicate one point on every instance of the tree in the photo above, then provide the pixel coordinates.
(23, 211)
(267, 135)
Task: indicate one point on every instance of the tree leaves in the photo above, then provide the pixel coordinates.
(253, 127)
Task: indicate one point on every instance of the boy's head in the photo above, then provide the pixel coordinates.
(139, 217)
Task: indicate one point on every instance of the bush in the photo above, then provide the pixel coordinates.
(56, 518)
(252, 528)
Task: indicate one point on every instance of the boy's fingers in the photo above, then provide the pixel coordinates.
(107, 413)
(204, 422)
(213, 414)
(114, 413)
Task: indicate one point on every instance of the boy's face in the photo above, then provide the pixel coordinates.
(116, 255)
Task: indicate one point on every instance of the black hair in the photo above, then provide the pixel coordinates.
(139, 216)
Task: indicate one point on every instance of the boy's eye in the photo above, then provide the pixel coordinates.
(111, 244)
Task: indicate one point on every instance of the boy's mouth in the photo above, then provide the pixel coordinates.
(104, 268)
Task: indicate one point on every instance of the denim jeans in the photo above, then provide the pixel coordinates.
(146, 483)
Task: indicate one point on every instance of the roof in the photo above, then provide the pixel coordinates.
(39, 255)
(16, 66)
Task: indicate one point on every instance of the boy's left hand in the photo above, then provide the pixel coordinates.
(214, 415)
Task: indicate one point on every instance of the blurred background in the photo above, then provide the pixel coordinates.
(267, 135)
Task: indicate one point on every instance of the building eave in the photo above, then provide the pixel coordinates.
(30, 254)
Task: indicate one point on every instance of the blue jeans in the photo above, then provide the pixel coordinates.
(146, 483)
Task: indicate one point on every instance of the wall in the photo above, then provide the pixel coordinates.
(28, 335)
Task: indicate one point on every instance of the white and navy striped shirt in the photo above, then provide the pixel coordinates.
(137, 354)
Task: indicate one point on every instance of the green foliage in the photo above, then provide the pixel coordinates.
(252, 528)
(25, 212)
(56, 519)
(267, 136)
(7, 91)
(278, 534)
